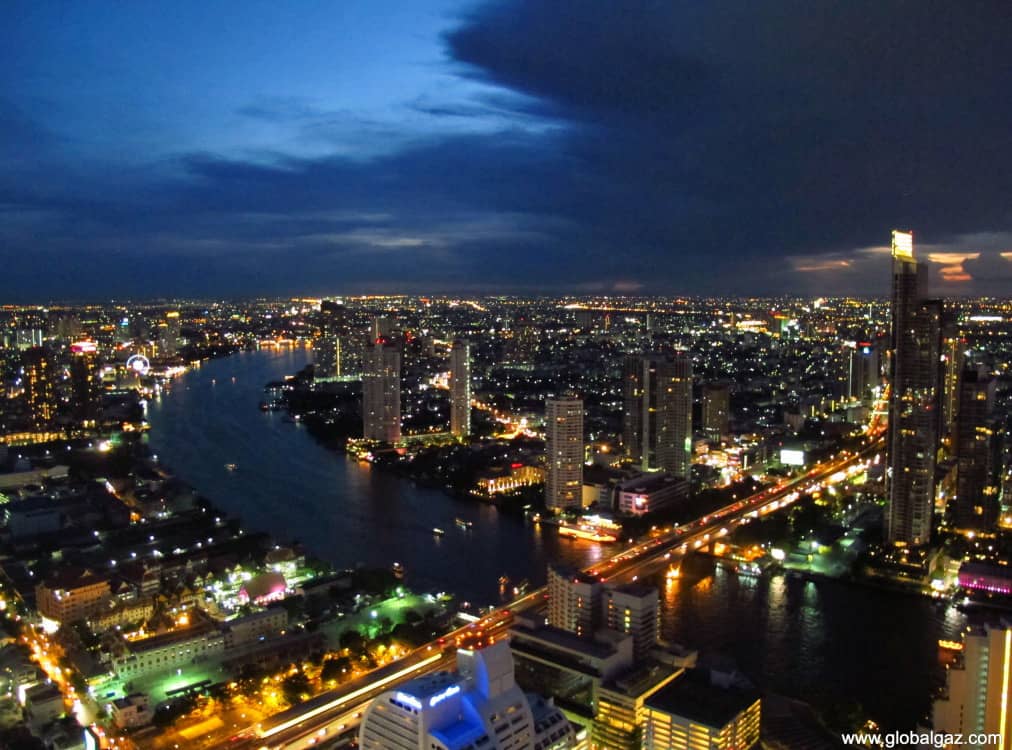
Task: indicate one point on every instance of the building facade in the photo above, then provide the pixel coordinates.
(913, 400)
(564, 448)
(460, 389)
(978, 455)
(657, 414)
(381, 391)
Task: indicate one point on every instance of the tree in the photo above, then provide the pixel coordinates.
(335, 670)
(352, 640)
(295, 688)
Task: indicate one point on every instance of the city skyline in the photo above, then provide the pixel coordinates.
(413, 147)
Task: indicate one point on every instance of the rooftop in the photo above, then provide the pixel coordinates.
(694, 697)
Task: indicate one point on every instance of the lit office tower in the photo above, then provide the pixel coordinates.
(171, 334)
(913, 399)
(38, 374)
(381, 391)
(564, 446)
(657, 427)
(574, 601)
(978, 452)
(716, 410)
(975, 700)
(634, 609)
(460, 388)
(862, 370)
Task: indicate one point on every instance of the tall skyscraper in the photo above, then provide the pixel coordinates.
(84, 383)
(460, 388)
(657, 426)
(381, 391)
(862, 370)
(976, 697)
(327, 345)
(913, 400)
(171, 333)
(978, 452)
(716, 410)
(564, 446)
(39, 378)
(953, 360)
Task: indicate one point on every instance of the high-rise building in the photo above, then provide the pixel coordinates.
(84, 383)
(913, 399)
(524, 344)
(862, 370)
(171, 333)
(657, 426)
(978, 452)
(381, 391)
(953, 360)
(976, 696)
(327, 345)
(564, 447)
(574, 601)
(39, 378)
(460, 388)
(635, 610)
(621, 706)
(716, 410)
(479, 706)
(384, 327)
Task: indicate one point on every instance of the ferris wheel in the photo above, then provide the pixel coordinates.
(139, 364)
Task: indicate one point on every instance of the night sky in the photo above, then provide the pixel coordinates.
(634, 146)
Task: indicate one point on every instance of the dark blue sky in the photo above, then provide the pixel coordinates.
(196, 148)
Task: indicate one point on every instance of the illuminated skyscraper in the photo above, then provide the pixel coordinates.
(38, 373)
(460, 388)
(381, 391)
(657, 418)
(953, 359)
(862, 370)
(914, 399)
(84, 382)
(327, 346)
(564, 446)
(977, 447)
(716, 410)
(171, 333)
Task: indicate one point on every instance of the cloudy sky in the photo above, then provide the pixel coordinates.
(238, 148)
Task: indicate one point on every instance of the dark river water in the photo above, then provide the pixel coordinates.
(825, 642)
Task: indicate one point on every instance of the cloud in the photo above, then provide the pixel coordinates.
(718, 147)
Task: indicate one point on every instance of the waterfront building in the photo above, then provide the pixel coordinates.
(621, 706)
(697, 711)
(39, 379)
(564, 448)
(460, 389)
(171, 332)
(977, 448)
(650, 493)
(635, 610)
(716, 411)
(914, 399)
(381, 391)
(574, 600)
(327, 344)
(657, 415)
(478, 707)
(975, 698)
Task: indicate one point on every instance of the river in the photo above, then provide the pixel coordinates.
(828, 643)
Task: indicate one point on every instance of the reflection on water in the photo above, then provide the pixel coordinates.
(345, 512)
(825, 642)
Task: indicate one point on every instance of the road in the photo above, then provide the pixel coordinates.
(337, 713)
